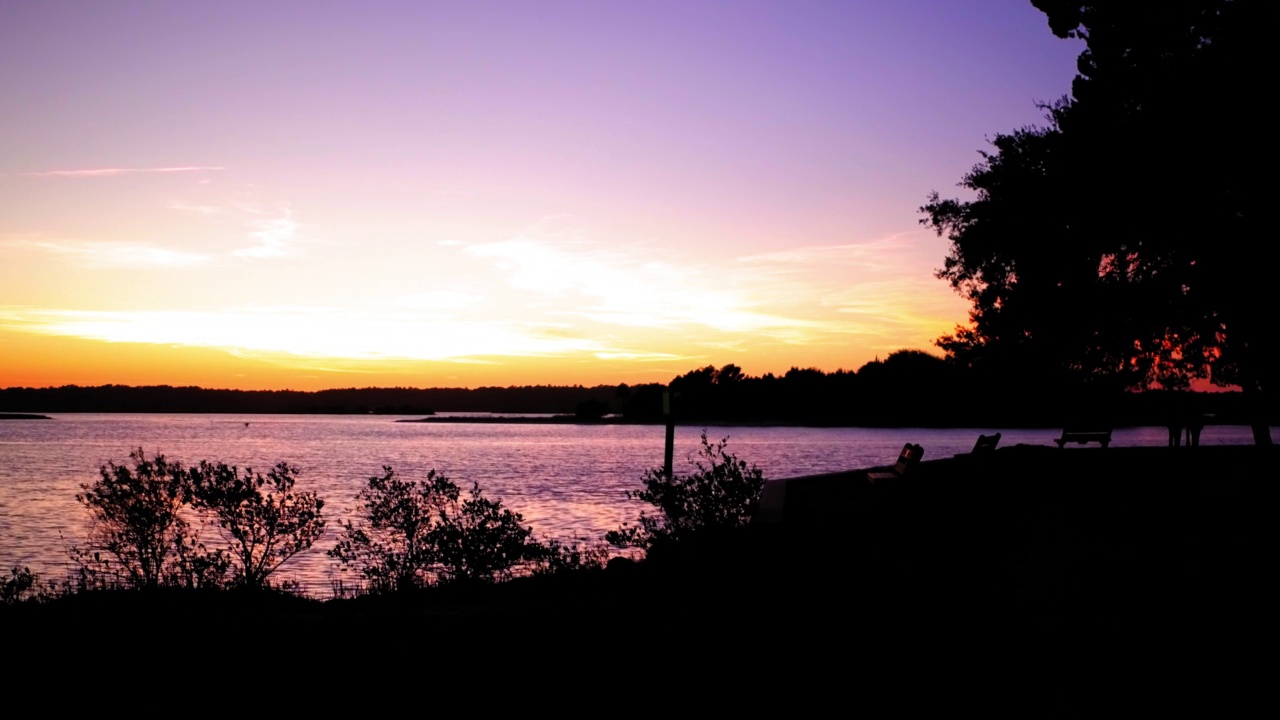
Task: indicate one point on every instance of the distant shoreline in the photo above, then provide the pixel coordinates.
(542, 420)
(566, 419)
(681, 422)
(832, 402)
(572, 420)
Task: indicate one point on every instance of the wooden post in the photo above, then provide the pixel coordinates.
(671, 434)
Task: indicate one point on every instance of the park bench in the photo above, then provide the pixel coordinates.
(985, 444)
(907, 459)
(1082, 437)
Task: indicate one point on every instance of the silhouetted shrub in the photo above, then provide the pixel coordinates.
(136, 529)
(140, 533)
(261, 530)
(478, 539)
(722, 492)
(415, 534)
(20, 582)
(560, 557)
(392, 549)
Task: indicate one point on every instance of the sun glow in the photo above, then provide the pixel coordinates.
(317, 333)
(512, 194)
(572, 301)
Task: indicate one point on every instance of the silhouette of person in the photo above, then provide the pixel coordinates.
(1195, 424)
(1175, 431)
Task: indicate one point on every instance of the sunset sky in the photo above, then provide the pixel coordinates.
(332, 194)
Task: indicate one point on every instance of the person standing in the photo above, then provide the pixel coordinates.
(1195, 423)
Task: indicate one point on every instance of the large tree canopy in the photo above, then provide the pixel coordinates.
(1122, 241)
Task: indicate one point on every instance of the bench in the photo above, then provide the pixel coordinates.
(907, 459)
(1081, 437)
(985, 444)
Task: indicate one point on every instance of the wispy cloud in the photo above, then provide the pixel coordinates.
(113, 255)
(619, 288)
(112, 171)
(891, 255)
(868, 293)
(534, 297)
(641, 356)
(272, 237)
(316, 332)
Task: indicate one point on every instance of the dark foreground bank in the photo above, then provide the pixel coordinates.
(1132, 549)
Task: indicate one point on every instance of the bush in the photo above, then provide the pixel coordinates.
(721, 493)
(140, 534)
(262, 531)
(136, 529)
(20, 582)
(415, 534)
(392, 548)
(478, 539)
(561, 557)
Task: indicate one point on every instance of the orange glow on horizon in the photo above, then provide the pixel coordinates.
(57, 361)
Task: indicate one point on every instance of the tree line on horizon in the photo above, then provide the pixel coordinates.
(907, 388)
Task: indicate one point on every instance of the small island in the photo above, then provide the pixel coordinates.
(23, 416)
(526, 419)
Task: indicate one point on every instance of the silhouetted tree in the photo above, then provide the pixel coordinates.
(392, 548)
(263, 519)
(414, 534)
(591, 409)
(1122, 242)
(136, 528)
(140, 534)
(721, 493)
(728, 375)
(478, 539)
(644, 402)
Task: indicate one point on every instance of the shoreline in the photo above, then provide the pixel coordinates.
(571, 420)
(567, 419)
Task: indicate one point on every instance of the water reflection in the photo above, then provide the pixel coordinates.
(568, 481)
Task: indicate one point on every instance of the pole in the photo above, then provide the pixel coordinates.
(671, 434)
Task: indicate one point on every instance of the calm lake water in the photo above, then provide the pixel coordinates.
(568, 481)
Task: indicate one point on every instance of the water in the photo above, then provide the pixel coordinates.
(568, 481)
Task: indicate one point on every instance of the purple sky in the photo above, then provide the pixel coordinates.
(427, 193)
